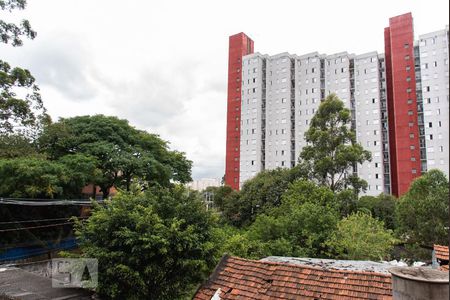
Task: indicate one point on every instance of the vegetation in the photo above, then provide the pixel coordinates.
(122, 154)
(18, 114)
(381, 208)
(156, 239)
(156, 244)
(359, 236)
(332, 150)
(422, 213)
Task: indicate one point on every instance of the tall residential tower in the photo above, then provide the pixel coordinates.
(398, 100)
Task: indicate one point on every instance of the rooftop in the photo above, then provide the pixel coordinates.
(351, 265)
(16, 283)
(252, 279)
(441, 252)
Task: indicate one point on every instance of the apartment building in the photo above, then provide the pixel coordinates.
(281, 93)
(433, 57)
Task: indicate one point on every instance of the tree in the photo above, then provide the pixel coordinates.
(37, 177)
(122, 153)
(18, 114)
(299, 226)
(381, 207)
(16, 145)
(158, 244)
(361, 237)
(422, 213)
(332, 150)
(219, 195)
(10, 32)
(257, 195)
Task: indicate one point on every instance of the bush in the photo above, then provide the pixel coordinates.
(156, 245)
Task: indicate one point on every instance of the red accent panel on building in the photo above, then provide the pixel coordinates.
(239, 46)
(402, 103)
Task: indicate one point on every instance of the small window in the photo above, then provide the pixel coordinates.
(407, 57)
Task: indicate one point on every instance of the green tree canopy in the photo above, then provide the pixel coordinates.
(257, 195)
(332, 150)
(422, 213)
(299, 226)
(123, 153)
(361, 237)
(157, 244)
(381, 207)
(18, 114)
(37, 177)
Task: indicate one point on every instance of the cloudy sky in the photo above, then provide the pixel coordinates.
(163, 64)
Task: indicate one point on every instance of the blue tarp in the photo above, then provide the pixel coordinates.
(26, 252)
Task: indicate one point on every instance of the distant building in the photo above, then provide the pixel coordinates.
(399, 103)
(201, 184)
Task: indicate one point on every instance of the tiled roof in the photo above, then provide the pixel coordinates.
(441, 252)
(249, 279)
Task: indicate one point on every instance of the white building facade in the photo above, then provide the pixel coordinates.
(281, 93)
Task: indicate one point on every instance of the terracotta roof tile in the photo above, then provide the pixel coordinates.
(441, 252)
(249, 279)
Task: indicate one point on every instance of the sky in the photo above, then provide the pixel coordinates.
(162, 65)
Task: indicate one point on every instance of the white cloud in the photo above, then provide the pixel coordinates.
(163, 64)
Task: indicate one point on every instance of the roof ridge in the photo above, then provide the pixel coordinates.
(311, 267)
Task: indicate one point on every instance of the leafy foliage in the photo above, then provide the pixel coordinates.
(10, 32)
(359, 236)
(332, 149)
(37, 177)
(151, 245)
(122, 153)
(18, 114)
(381, 207)
(257, 195)
(15, 145)
(422, 213)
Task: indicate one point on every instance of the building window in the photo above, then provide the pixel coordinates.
(430, 124)
(414, 171)
(406, 57)
(410, 112)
